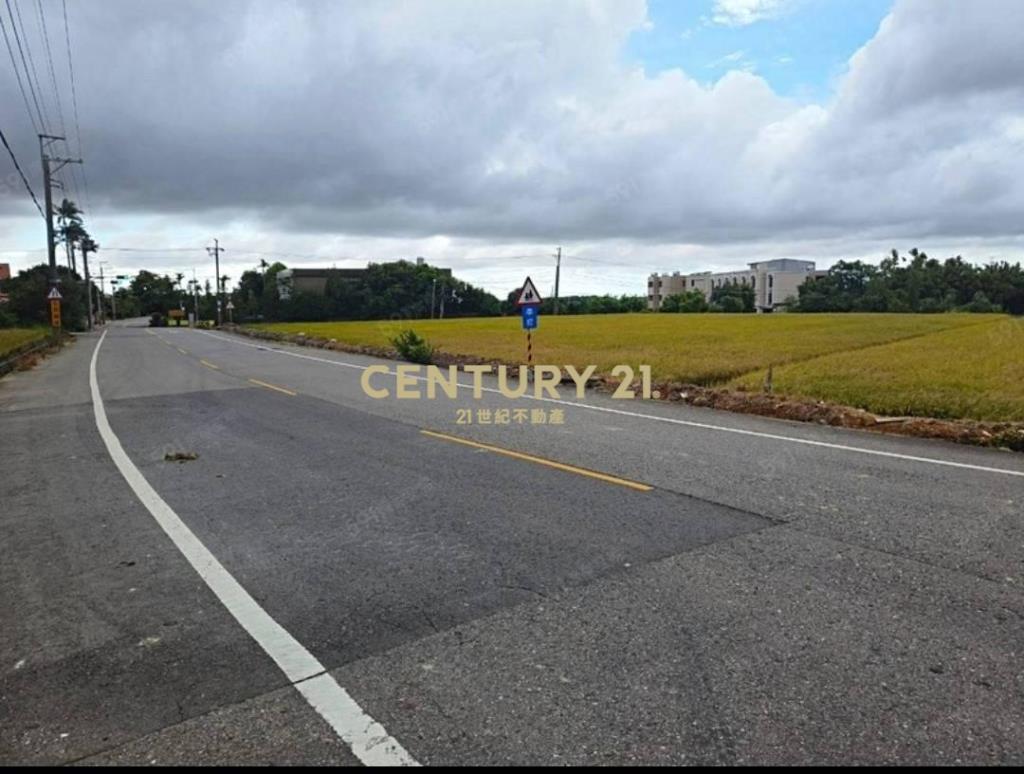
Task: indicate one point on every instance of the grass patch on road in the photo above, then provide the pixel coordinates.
(14, 338)
(973, 373)
(697, 349)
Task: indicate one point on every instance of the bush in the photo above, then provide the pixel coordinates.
(689, 301)
(980, 305)
(413, 347)
(731, 304)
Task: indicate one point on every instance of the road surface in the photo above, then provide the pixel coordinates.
(337, 579)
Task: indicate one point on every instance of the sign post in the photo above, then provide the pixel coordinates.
(529, 307)
(54, 298)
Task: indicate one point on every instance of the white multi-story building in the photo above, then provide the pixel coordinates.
(775, 283)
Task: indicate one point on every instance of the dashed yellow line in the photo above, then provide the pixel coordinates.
(543, 461)
(273, 387)
(208, 364)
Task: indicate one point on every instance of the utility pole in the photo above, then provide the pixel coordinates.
(215, 251)
(103, 290)
(433, 289)
(195, 297)
(86, 246)
(45, 140)
(558, 273)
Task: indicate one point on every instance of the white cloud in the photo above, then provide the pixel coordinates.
(740, 13)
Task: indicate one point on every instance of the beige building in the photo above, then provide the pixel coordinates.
(774, 283)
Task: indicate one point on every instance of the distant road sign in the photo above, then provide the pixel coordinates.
(54, 295)
(531, 317)
(231, 306)
(528, 295)
(54, 313)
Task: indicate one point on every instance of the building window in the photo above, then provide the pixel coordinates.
(769, 298)
(771, 280)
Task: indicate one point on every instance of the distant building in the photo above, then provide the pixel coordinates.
(775, 283)
(314, 281)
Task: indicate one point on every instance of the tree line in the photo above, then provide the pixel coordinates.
(904, 284)
(915, 283)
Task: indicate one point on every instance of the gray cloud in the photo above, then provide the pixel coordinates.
(522, 122)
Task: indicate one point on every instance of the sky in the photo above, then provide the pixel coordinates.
(666, 135)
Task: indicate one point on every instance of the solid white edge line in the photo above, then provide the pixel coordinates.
(667, 420)
(368, 740)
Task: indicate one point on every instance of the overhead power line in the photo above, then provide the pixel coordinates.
(30, 71)
(74, 103)
(24, 179)
(44, 33)
(17, 74)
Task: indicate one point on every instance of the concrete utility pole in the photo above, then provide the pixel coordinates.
(103, 289)
(45, 140)
(215, 251)
(433, 292)
(558, 273)
(194, 284)
(86, 246)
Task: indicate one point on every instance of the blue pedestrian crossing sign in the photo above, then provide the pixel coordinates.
(531, 316)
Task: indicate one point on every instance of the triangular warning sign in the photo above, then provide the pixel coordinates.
(54, 295)
(528, 296)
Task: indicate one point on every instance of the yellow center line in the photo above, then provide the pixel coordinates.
(208, 364)
(274, 387)
(542, 461)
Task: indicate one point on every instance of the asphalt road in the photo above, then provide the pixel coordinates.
(328, 583)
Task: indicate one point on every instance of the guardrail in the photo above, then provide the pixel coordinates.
(12, 358)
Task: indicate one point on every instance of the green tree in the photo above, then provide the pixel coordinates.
(28, 292)
(690, 301)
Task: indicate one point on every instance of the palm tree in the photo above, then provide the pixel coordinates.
(88, 245)
(69, 220)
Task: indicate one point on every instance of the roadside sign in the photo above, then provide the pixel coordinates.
(531, 318)
(55, 295)
(54, 313)
(231, 306)
(528, 295)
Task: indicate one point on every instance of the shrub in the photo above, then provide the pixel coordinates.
(413, 347)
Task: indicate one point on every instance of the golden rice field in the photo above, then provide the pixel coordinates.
(975, 373)
(951, 365)
(12, 338)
